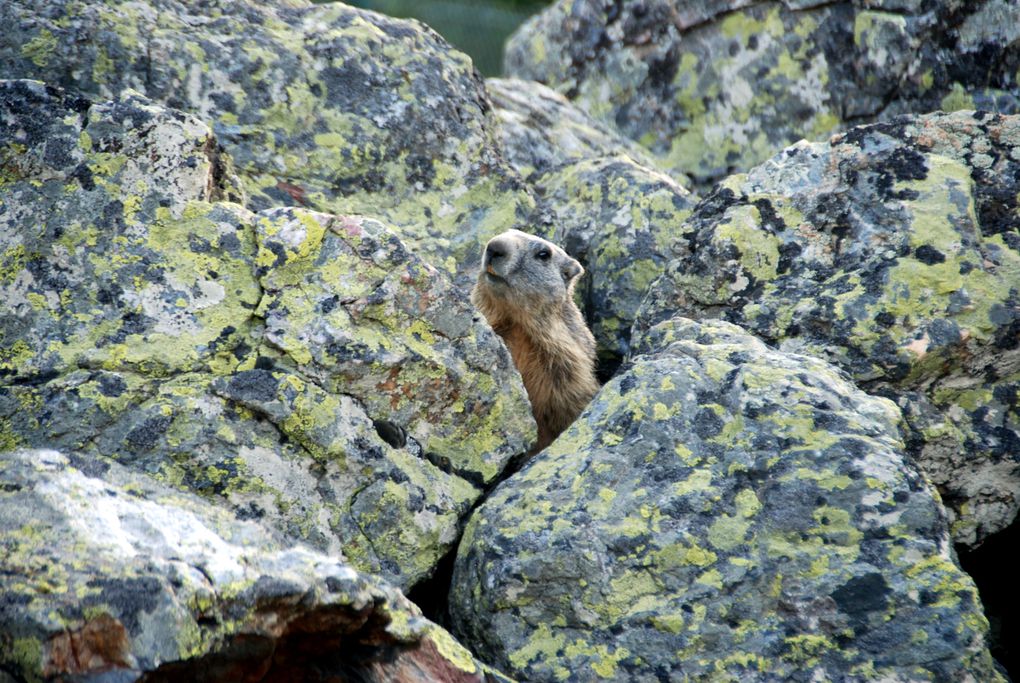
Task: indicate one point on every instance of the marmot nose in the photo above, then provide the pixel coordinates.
(494, 250)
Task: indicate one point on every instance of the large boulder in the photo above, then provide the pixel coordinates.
(304, 369)
(109, 576)
(712, 87)
(892, 251)
(721, 511)
(322, 106)
(115, 251)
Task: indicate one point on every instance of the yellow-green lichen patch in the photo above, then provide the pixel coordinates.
(40, 48)
(730, 531)
(759, 253)
(805, 650)
(749, 527)
(914, 297)
(918, 288)
(26, 654)
(14, 356)
(543, 645)
(452, 651)
(346, 302)
(13, 263)
(607, 659)
(957, 99)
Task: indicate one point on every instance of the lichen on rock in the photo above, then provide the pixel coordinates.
(303, 369)
(893, 252)
(625, 223)
(232, 260)
(322, 106)
(112, 256)
(720, 511)
(347, 303)
(107, 573)
(713, 88)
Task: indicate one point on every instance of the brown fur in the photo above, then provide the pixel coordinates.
(529, 302)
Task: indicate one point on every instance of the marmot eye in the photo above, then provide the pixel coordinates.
(543, 255)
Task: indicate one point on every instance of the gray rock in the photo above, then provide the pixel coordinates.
(541, 130)
(108, 576)
(303, 369)
(114, 251)
(713, 87)
(892, 251)
(321, 106)
(347, 302)
(721, 511)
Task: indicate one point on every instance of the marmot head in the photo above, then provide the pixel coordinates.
(525, 272)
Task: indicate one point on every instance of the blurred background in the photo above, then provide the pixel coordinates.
(476, 27)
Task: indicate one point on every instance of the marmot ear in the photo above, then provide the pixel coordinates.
(571, 269)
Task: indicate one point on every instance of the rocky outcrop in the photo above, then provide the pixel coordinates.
(721, 511)
(304, 369)
(892, 251)
(232, 303)
(717, 87)
(321, 106)
(108, 576)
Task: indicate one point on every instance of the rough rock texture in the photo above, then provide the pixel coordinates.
(722, 511)
(712, 87)
(348, 304)
(326, 106)
(599, 197)
(892, 251)
(305, 369)
(541, 130)
(112, 253)
(108, 576)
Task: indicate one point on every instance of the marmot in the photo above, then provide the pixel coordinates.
(525, 290)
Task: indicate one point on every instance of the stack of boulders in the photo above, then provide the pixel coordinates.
(246, 404)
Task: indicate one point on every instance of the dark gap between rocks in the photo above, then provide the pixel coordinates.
(432, 595)
(606, 368)
(995, 576)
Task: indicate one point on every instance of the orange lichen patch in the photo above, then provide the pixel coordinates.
(391, 387)
(100, 645)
